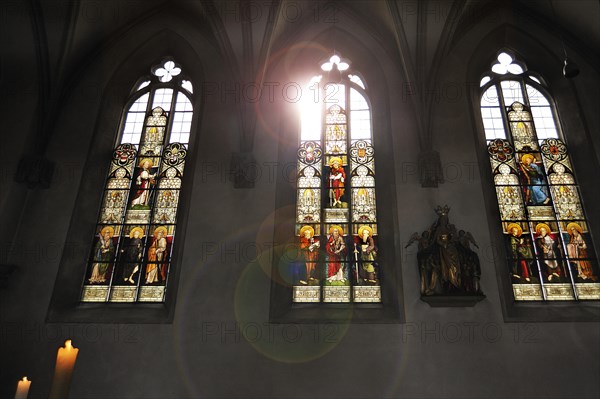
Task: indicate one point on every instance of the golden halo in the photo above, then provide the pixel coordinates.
(539, 227)
(362, 228)
(332, 160)
(527, 156)
(134, 230)
(305, 228)
(514, 226)
(575, 226)
(161, 228)
(143, 161)
(109, 229)
(338, 227)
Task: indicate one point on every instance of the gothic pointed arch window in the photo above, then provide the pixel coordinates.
(135, 230)
(546, 233)
(336, 212)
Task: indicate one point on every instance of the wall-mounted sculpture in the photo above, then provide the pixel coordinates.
(449, 268)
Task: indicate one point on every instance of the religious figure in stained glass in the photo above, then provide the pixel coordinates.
(103, 253)
(129, 261)
(368, 254)
(533, 178)
(336, 194)
(132, 255)
(521, 253)
(554, 261)
(577, 250)
(337, 178)
(156, 255)
(547, 243)
(309, 246)
(144, 183)
(336, 252)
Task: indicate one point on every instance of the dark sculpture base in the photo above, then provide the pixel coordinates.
(452, 301)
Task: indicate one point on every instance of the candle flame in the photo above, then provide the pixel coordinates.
(24, 379)
(68, 344)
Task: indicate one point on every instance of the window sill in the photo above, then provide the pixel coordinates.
(112, 313)
(336, 313)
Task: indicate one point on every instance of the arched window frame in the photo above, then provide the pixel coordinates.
(282, 309)
(358, 276)
(525, 79)
(117, 278)
(548, 292)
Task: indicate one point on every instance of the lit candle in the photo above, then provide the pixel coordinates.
(65, 361)
(23, 388)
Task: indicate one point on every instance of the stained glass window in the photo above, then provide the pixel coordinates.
(130, 260)
(550, 252)
(336, 213)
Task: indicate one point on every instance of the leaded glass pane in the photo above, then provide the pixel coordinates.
(546, 236)
(182, 120)
(357, 80)
(490, 98)
(360, 122)
(536, 99)
(183, 103)
(140, 104)
(515, 69)
(336, 211)
(310, 111)
(357, 101)
(492, 115)
(499, 69)
(521, 128)
(134, 121)
(335, 94)
(511, 91)
(544, 122)
(336, 131)
(309, 176)
(186, 84)
(163, 99)
(308, 205)
(133, 242)
(143, 85)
